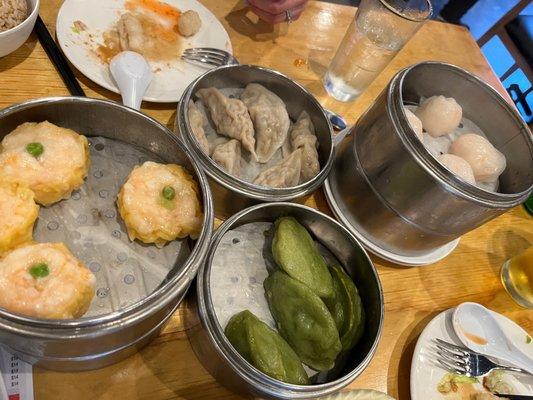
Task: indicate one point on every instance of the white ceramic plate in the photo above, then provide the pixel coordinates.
(99, 15)
(426, 373)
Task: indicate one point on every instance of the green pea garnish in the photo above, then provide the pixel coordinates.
(35, 149)
(39, 270)
(168, 192)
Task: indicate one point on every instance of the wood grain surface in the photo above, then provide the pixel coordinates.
(168, 368)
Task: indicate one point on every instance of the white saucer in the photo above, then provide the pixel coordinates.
(426, 373)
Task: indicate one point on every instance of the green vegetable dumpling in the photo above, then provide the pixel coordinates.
(303, 320)
(346, 308)
(296, 253)
(265, 349)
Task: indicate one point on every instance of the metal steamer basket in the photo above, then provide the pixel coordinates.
(220, 358)
(231, 194)
(140, 285)
(385, 184)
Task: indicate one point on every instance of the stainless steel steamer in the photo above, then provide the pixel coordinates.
(96, 341)
(399, 197)
(231, 194)
(227, 366)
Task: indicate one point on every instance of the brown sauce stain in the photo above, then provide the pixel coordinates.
(299, 62)
(475, 338)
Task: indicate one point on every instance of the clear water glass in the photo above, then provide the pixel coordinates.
(377, 33)
(517, 278)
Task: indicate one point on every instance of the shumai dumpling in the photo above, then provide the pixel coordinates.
(439, 115)
(230, 117)
(270, 118)
(303, 320)
(45, 280)
(295, 252)
(486, 161)
(284, 174)
(52, 161)
(265, 349)
(18, 213)
(159, 203)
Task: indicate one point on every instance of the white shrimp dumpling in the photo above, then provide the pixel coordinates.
(459, 167)
(486, 161)
(415, 123)
(439, 115)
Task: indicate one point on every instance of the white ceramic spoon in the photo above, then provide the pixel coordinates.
(132, 75)
(478, 330)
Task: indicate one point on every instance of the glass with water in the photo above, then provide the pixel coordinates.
(379, 30)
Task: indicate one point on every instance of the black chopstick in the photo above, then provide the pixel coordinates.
(515, 396)
(57, 57)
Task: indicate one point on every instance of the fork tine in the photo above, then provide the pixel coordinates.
(453, 368)
(451, 351)
(210, 49)
(220, 59)
(206, 50)
(202, 60)
(459, 361)
(453, 347)
(206, 53)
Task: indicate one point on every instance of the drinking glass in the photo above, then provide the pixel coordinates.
(378, 31)
(517, 278)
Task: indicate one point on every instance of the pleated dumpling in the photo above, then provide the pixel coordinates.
(284, 174)
(197, 122)
(270, 118)
(264, 348)
(303, 137)
(18, 213)
(303, 320)
(230, 117)
(50, 160)
(160, 203)
(228, 156)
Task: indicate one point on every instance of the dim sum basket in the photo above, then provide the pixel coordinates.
(139, 286)
(231, 194)
(230, 369)
(396, 197)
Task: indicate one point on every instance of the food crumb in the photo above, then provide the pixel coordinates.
(299, 62)
(528, 339)
(78, 27)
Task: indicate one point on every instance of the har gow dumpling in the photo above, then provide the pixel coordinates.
(439, 115)
(228, 156)
(284, 174)
(270, 119)
(459, 167)
(415, 123)
(486, 161)
(230, 117)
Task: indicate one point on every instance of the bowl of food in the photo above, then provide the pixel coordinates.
(259, 136)
(438, 154)
(105, 220)
(288, 304)
(17, 18)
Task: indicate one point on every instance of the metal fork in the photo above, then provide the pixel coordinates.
(218, 58)
(210, 56)
(466, 362)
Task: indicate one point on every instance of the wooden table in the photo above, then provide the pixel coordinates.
(167, 368)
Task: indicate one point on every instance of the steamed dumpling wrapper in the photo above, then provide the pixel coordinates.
(264, 348)
(346, 308)
(296, 253)
(228, 156)
(230, 117)
(284, 174)
(303, 137)
(303, 320)
(197, 121)
(270, 118)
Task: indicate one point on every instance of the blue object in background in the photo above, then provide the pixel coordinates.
(519, 78)
(484, 14)
(498, 56)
